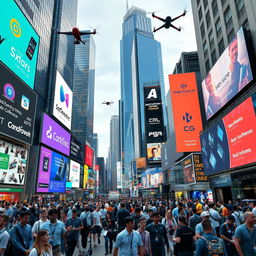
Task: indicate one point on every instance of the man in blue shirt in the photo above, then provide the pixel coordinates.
(245, 236)
(4, 236)
(21, 236)
(128, 241)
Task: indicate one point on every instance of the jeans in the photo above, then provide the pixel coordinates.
(84, 233)
(71, 246)
(158, 250)
(110, 239)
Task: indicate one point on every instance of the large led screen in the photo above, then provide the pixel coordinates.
(19, 43)
(52, 172)
(186, 112)
(231, 142)
(74, 174)
(89, 156)
(63, 98)
(154, 153)
(13, 163)
(152, 177)
(76, 150)
(230, 74)
(86, 174)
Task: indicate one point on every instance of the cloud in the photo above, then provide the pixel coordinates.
(107, 17)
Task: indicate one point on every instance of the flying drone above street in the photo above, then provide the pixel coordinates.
(108, 103)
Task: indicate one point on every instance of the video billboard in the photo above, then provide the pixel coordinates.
(19, 43)
(154, 153)
(13, 163)
(141, 163)
(199, 168)
(76, 150)
(188, 169)
(54, 136)
(154, 124)
(231, 141)
(152, 177)
(230, 74)
(89, 156)
(91, 179)
(86, 174)
(63, 100)
(52, 172)
(186, 112)
(17, 107)
(74, 174)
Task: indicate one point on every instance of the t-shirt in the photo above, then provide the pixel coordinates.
(227, 230)
(186, 244)
(38, 225)
(97, 216)
(200, 230)
(103, 213)
(76, 223)
(4, 238)
(34, 253)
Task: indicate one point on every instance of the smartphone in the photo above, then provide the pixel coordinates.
(31, 48)
(45, 164)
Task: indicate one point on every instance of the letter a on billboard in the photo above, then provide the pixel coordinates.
(186, 112)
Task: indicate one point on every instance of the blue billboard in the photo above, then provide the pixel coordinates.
(19, 43)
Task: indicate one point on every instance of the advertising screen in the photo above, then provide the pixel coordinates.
(88, 156)
(186, 112)
(54, 136)
(141, 163)
(63, 97)
(152, 177)
(74, 174)
(199, 168)
(230, 74)
(91, 179)
(154, 153)
(19, 43)
(13, 163)
(154, 124)
(81, 182)
(86, 173)
(188, 169)
(231, 142)
(76, 150)
(17, 107)
(52, 172)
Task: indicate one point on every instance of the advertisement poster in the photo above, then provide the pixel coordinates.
(17, 107)
(154, 123)
(231, 142)
(76, 150)
(86, 174)
(230, 74)
(186, 112)
(54, 136)
(188, 169)
(59, 167)
(141, 163)
(63, 98)
(81, 182)
(13, 164)
(199, 168)
(152, 177)
(154, 153)
(89, 156)
(19, 42)
(74, 174)
(91, 179)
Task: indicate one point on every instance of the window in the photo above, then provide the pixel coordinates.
(214, 7)
(228, 17)
(205, 48)
(218, 27)
(246, 25)
(214, 58)
(208, 19)
(202, 30)
(211, 39)
(239, 5)
(231, 35)
(205, 3)
(207, 65)
(221, 46)
(200, 13)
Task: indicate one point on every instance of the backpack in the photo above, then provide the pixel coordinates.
(215, 247)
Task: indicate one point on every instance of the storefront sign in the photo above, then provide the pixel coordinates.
(11, 189)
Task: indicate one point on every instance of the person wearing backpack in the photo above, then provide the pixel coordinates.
(214, 218)
(4, 236)
(238, 215)
(209, 244)
(21, 236)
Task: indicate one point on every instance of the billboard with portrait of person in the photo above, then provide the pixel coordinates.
(13, 163)
(154, 153)
(230, 74)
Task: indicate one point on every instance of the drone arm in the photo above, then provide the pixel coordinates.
(156, 29)
(154, 16)
(179, 29)
(183, 14)
(65, 33)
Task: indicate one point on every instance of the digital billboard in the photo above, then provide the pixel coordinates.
(141, 163)
(230, 142)
(199, 168)
(154, 124)
(230, 74)
(74, 174)
(91, 179)
(52, 172)
(13, 163)
(154, 153)
(76, 150)
(81, 183)
(188, 169)
(17, 107)
(152, 177)
(86, 173)
(89, 156)
(19, 43)
(54, 136)
(63, 100)
(186, 112)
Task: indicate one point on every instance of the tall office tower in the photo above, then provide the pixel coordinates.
(114, 149)
(141, 63)
(83, 90)
(216, 23)
(95, 144)
(101, 162)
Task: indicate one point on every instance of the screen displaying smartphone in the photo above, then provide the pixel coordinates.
(220, 133)
(220, 151)
(213, 161)
(31, 48)
(45, 164)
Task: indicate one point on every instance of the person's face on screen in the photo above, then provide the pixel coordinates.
(209, 85)
(233, 51)
(154, 152)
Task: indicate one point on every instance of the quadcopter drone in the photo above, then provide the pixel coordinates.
(108, 103)
(168, 21)
(76, 33)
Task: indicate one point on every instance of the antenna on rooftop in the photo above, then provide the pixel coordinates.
(127, 6)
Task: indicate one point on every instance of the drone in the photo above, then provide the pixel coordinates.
(108, 103)
(168, 21)
(76, 33)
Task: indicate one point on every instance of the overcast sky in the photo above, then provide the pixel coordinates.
(107, 17)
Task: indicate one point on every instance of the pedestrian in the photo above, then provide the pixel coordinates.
(145, 238)
(150, 219)
(38, 224)
(214, 218)
(185, 238)
(199, 227)
(158, 236)
(245, 236)
(121, 215)
(97, 224)
(41, 245)
(128, 241)
(103, 212)
(238, 215)
(199, 207)
(21, 236)
(4, 236)
(194, 220)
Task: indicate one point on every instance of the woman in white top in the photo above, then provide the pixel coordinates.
(41, 245)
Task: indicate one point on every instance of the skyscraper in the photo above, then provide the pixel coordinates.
(95, 144)
(83, 90)
(141, 63)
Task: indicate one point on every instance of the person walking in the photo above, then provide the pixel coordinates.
(214, 218)
(97, 224)
(238, 215)
(121, 215)
(145, 237)
(38, 224)
(194, 220)
(41, 245)
(128, 241)
(4, 235)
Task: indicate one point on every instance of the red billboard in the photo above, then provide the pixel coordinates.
(88, 156)
(186, 111)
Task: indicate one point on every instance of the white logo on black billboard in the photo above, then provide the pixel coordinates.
(155, 134)
(152, 94)
(154, 120)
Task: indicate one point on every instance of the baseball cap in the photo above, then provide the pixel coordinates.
(204, 214)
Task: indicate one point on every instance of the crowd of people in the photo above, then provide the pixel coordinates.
(130, 227)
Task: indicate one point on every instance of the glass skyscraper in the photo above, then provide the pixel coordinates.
(83, 90)
(141, 64)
